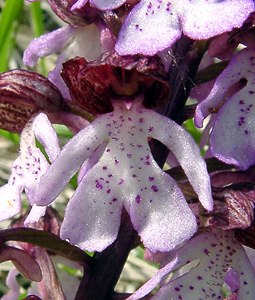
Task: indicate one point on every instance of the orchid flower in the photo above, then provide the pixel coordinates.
(232, 137)
(126, 176)
(218, 264)
(154, 25)
(218, 259)
(29, 167)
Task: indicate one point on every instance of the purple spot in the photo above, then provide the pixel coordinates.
(104, 168)
(129, 155)
(206, 251)
(154, 188)
(241, 102)
(150, 128)
(151, 178)
(141, 120)
(121, 181)
(138, 199)
(108, 191)
(114, 199)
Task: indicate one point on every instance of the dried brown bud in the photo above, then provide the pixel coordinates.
(94, 84)
(23, 93)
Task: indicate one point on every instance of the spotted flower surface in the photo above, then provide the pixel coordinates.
(232, 137)
(154, 25)
(28, 168)
(126, 175)
(219, 259)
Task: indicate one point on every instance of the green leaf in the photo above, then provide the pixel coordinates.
(10, 14)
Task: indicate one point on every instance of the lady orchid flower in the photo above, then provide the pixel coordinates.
(29, 167)
(206, 267)
(126, 176)
(234, 118)
(154, 25)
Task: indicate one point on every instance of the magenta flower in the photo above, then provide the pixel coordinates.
(126, 176)
(232, 137)
(205, 265)
(28, 168)
(154, 25)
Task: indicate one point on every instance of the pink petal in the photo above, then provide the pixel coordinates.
(216, 252)
(235, 71)
(199, 21)
(238, 111)
(150, 27)
(107, 4)
(13, 285)
(234, 141)
(92, 216)
(46, 135)
(187, 153)
(35, 214)
(154, 281)
(78, 4)
(73, 154)
(10, 201)
(162, 216)
(47, 44)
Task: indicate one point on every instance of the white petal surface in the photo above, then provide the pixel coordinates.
(233, 141)
(199, 21)
(217, 252)
(70, 159)
(187, 153)
(107, 4)
(150, 27)
(47, 44)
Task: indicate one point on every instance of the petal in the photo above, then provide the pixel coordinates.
(73, 154)
(216, 253)
(233, 142)
(187, 153)
(78, 4)
(10, 201)
(47, 44)
(13, 285)
(92, 217)
(46, 135)
(107, 4)
(198, 17)
(232, 280)
(90, 162)
(235, 71)
(150, 27)
(154, 281)
(35, 214)
(238, 110)
(162, 216)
